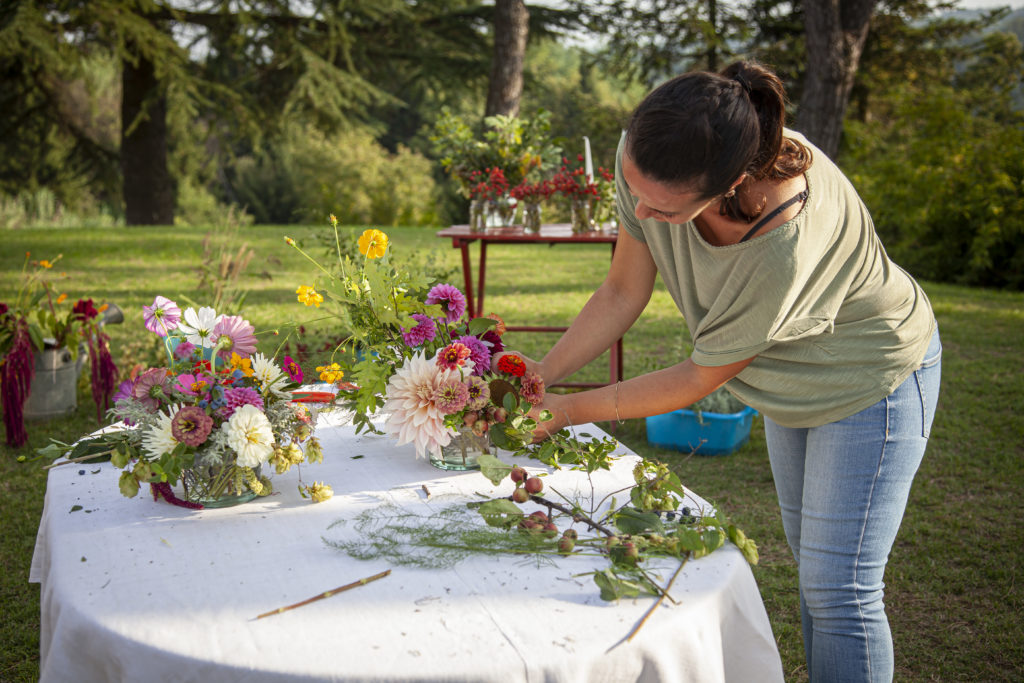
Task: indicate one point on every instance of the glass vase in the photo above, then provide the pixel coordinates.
(477, 215)
(581, 214)
(216, 486)
(462, 452)
(531, 217)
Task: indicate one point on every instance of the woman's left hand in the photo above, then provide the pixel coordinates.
(557, 405)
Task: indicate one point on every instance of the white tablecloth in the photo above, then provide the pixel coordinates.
(134, 590)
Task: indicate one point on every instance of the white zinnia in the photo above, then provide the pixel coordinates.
(415, 418)
(249, 436)
(269, 375)
(198, 327)
(158, 439)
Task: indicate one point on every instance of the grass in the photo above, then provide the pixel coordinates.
(953, 590)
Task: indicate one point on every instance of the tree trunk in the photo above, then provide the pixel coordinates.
(836, 31)
(149, 191)
(511, 28)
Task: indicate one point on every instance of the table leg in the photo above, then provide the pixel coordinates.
(483, 277)
(467, 273)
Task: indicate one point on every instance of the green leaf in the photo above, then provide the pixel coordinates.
(690, 539)
(633, 522)
(613, 588)
(478, 326)
(492, 468)
(499, 388)
(500, 513)
(75, 508)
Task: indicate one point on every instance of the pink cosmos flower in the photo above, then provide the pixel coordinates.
(240, 396)
(162, 316)
(453, 356)
(532, 388)
(151, 388)
(293, 369)
(423, 332)
(478, 391)
(193, 385)
(234, 334)
(451, 396)
(478, 353)
(450, 298)
(191, 425)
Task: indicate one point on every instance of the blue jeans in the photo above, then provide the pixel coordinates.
(843, 488)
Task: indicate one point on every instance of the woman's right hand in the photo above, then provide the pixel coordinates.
(531, 365)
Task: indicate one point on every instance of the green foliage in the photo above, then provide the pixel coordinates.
(945, 184)
(309, 174)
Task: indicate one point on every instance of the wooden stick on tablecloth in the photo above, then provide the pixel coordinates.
(658, 602)
(327, 594)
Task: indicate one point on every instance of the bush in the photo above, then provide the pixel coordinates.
(945, 185)
(310, 175)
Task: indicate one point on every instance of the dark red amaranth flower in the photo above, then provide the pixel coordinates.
(84, 310)
(16, 372)
(103, 373)
(163, 490)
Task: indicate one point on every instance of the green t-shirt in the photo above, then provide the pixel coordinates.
(834, 324)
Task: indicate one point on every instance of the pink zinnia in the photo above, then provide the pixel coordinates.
(151, 388)
(425, 330)
(532, 388)
(240, 396)
(453, 356)
(450, 298)
(478, 391)
(293, 369)
(234, 334)
(162, 316)
(191, 425)
(451, 396)
(478, 353)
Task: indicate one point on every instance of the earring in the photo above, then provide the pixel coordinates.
(731, 193)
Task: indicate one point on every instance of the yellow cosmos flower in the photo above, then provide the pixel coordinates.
(330, 373)
(309, 296)
(243, 364)
(45, 264)
(61, 298)
(373, 244)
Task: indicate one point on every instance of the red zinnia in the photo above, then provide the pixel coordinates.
(512, 364)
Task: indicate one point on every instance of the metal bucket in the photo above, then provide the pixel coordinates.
(55, 385)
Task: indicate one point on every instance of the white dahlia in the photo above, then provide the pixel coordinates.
(158, 438)
(249, 435)
(415, 416)
(270, 377)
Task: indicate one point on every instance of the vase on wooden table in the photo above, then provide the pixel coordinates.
(501, 211)
(531, 217)
(477, 215)
(462, 452)
(580, 210)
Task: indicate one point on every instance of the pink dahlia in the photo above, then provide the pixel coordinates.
(234, 334)
(184, 350)
(241, 396)
(479, 393)
(454, 356)
(478, 353)
(191, 425)
(532, 388)
(162, 316)
(451, 299)
(411, 400)
(451, 396)
(425, 330)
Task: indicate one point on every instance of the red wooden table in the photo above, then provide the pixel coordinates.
(559, 233)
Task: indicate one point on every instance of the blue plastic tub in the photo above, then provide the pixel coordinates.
(720, 434)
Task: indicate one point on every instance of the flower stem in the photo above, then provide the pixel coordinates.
(327, 594)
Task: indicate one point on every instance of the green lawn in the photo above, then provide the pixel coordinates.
(953, 589)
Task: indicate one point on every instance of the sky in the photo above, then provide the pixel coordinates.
(986, 4)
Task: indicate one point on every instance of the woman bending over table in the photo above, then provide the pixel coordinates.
(794, 306)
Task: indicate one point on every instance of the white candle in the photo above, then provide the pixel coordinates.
(588, 164)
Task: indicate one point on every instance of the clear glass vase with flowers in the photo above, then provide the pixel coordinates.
(212, 421)
(585, 194)
(417, 368)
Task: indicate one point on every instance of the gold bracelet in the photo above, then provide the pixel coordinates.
(617, 402)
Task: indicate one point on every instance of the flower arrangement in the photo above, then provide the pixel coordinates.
(210, 419)
(39, 319)
(415, 356)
